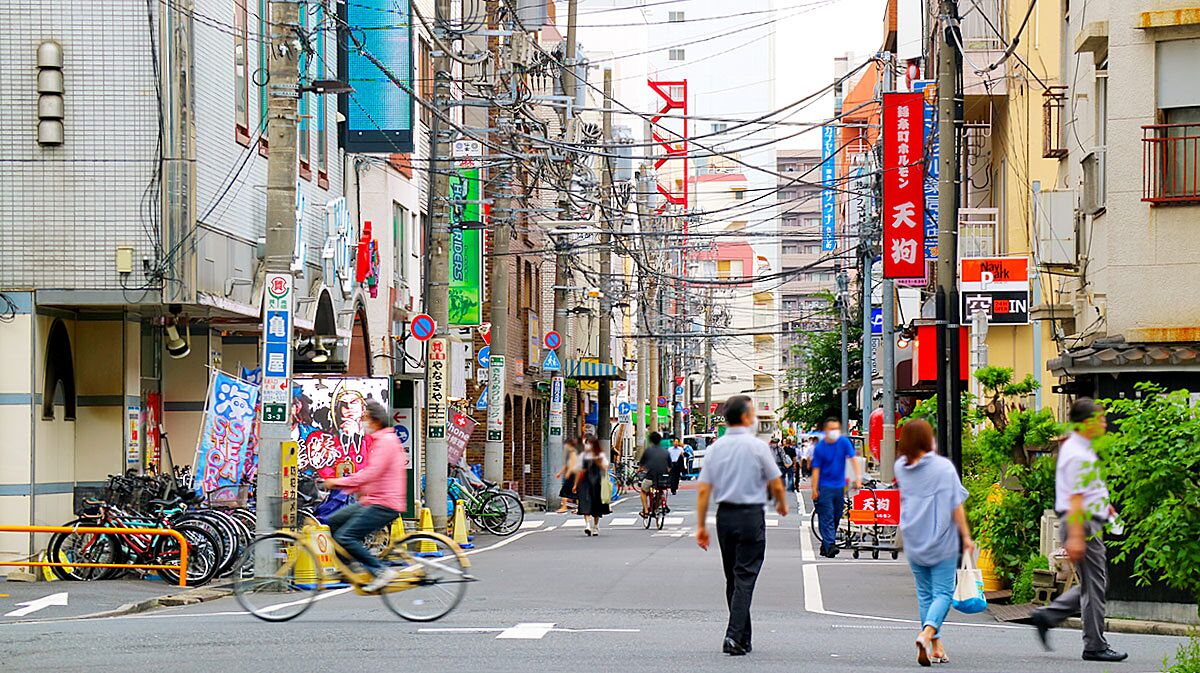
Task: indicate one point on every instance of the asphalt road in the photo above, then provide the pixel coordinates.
(629, 600)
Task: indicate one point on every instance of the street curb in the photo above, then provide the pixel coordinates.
(1139, 626)
(189, 597)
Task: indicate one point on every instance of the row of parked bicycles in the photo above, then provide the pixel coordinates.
(218, 529)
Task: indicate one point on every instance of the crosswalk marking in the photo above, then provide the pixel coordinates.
(673, 520)
(573, 523)
(772, 523)
(529, 525)
(622, 522)
(676, 520)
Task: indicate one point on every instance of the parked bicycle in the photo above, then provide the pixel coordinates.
(279, 576)
(498, 511)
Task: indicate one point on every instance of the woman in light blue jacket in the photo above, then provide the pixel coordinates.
(935, 529)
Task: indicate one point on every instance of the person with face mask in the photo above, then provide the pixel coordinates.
(829, 481)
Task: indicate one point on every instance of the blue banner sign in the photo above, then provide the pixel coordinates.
(828, 196)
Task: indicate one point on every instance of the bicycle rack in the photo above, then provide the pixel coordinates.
(101, 530)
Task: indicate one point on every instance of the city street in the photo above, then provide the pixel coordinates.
(551, 599)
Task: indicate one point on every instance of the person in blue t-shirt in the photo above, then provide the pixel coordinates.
(829, 481)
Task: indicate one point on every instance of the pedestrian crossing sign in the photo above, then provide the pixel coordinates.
(482, 402)
(551, 363)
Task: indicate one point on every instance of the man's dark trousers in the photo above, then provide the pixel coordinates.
(742, 534)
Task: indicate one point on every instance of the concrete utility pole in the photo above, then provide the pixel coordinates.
(604, 392)
(282, 120)
(503, 214)
(708, 363)
(553, 453)
(437, 385)
(887, 444)
(843, 295)
(948, 384)
(646, 400)
(868, 257)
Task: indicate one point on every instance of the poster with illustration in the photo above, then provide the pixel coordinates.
(228, 436)
(327, 420)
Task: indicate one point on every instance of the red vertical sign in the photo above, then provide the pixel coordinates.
(903, 186)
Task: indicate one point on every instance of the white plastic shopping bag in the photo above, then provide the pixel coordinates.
(968, 588)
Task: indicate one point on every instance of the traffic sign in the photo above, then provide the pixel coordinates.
(662, 401)
(481, 403)
(485, 356)
(422, 327)
(679, 406)
(678, 380)
(551, 363)
(686, 411)
(876, 320)
(624, 408)
(552, 340)
(485, 331)
(678, 391)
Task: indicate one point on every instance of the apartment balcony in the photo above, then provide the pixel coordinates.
(1054, 130)
(984, 24)
(977, 232)
(1171, 164)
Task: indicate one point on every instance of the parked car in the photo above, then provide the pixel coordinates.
(699, 445)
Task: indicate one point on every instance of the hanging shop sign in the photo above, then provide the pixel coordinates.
(458, 434)
(436, 372)
(828, 195)
(378, 112)
(466, 247)
(903, 186)
(932, 168)
(337, 257)
(495, 411)
(998, 286)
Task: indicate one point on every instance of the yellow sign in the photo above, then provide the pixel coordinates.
(589, 384)
(290, 482)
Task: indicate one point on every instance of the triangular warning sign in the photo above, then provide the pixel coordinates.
(482, 403)
(551, 363)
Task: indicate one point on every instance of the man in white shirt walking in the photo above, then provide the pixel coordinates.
(1081, 500)
(738, 470)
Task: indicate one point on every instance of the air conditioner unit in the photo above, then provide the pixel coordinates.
(1093, 182)
(1054, 224)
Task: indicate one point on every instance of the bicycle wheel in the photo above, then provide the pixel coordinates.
(502, 513)
(277, 578)
(660, 511)
(228, 548)
(203, 555)
(432, 581)
(85, 548)
(647, 519)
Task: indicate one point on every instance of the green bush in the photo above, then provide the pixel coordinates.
(1187, 657)
(1022, 588)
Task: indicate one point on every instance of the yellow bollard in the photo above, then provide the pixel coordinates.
(321, 542)
(461, 538)
(426, 546)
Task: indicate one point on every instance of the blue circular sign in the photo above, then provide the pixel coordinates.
(624, 408)
(552, 340)
(662, 401)
(422, 327)
(402, 433)
(485, 356)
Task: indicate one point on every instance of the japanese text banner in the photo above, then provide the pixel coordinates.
(903, 186)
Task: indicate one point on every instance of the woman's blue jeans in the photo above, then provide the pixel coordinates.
(935, 591)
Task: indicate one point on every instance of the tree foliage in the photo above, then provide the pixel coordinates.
(815, 394)
(1151, 463)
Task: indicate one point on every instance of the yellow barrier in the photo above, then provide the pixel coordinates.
(321, 541)
(101, 530)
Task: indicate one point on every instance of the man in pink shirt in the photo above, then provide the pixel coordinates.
(380, 485)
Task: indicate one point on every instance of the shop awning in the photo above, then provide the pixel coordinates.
(593, 370)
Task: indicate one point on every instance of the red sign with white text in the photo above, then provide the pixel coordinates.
(903, 185)
(884, 502)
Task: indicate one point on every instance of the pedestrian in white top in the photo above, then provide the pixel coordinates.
(1081, 500)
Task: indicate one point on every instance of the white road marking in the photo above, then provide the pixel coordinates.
(772, 523)
(573, 523)
(622, 522)
(673, 521)
(38, 604)
(528, 525)
(526, 631)
(806, 547)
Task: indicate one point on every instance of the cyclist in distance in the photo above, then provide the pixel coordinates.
(380, 486)
(656, 464)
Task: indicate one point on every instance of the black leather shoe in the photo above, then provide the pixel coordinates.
(1105, 655)
(1043, 629)
(748, 647)
(732, 648)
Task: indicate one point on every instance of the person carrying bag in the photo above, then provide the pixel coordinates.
(968, 587)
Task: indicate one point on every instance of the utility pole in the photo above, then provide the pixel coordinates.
(503, 214)
(553, 453)
(843, 294)
(948, 384)
(282, 119)
(604, 390)
(708, 362)
(887, 444)
(868, 356)
(647, 400)
(437, 303)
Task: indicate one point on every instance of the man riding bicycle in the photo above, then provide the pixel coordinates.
(380, 485)
(655, 464)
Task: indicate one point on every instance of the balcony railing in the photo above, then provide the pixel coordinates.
(1054, 137)
(1171, 163)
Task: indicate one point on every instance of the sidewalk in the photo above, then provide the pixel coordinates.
(36, 601)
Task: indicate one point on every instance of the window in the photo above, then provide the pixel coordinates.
(400, 243)
(675, 17)
(729, 268)
(322, 105)
(791, 248)
(675, 55)
(425, 84)
(810, 249)
(303, 139)
(241, 72)
(812, 223)
(1171, 148)
(1094, 172)
(264, 39)
(720, 128)
(789, 304)
(739, 195)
